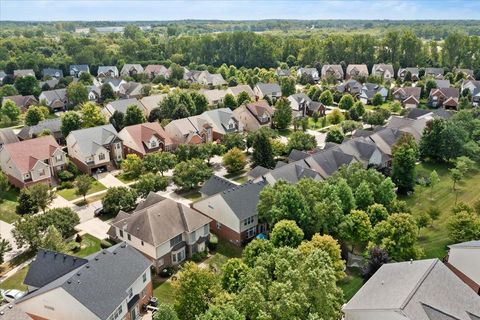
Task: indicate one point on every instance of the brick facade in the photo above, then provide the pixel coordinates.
(88, 169)
(20, 184)
(226, 233)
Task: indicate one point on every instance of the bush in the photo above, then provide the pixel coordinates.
(73, 246)
(213, 242)
(167, 272)
(199, 256)
(66, 185)
(78, 238)
(66, 176)
(104, 244)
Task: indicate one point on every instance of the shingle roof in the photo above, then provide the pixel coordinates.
(53, 125)
(241, 88)
(381, 68)
(90, 139)
(7, 136)
(142, 133)
(152, 102)
(218, 118)
(243, 199)
(20, 100)
(57, 94)
(122, 105)
(161, 221)
(56, 73)
(293, 172)
(13, 312)
(416, 113)
(468, 244)
(328, 161)
(296, 155)
(76, 68)
(131, 66)
(23, 73)
(216, 184)
(268, 88)
(107, 69)
(258, 171)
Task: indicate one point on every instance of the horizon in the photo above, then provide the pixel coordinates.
(238, 11)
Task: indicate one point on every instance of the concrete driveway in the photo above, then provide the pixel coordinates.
(319, 136)
(85, 213)
(95, 227)
(6, 233)
(108, 180)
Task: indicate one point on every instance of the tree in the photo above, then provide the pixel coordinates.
(385, 193)
(77, 93)
(464, 164)
(346, 102)
(301, 141)
(211, 149)
(429, 85)
(335, 117)
(377, 99)
(133, 116)
(27, 85)
(283, 114)
(132, 166)
(315, 117)
(119, 198)
(117, 120)
(4, 248)
(91, 115)
(286, 233)
(234, 160)
(262, 151)
(106, 92)
(326, 98)
(356, 228)
(83, 184)
(255, 249)
(363, 196)
(434, 213)
(159, 162)
(463, 226)
(165, 312)
(403, 167)
(53, 240)
(434, 180)
(150, 182)
(423, 220)
(242, 98)
(229, 101)
(350, 125)
(233, 140)
(232, 272)
(41, 195)
(398, 236)
(377, 213)
(7, 90)
(11, 110)
(456, 176)
(26, 232)
(224, 312)
(4, 185)
(287, 86)
(25, 203)
(188, 174)
(377, 257)
(85, 78)
(70, 121)
(33, 116)
(335, 135)
(200, 102)
(176, 72)
(64, 219)
(443, 140)
(195, 289)
(357, 111)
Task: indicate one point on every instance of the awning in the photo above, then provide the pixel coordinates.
(133, 301)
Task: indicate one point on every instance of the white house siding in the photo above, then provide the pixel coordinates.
(57, 304)
(215, 208)
(8, 166)
(146, 248)
(374, 315)
(244, 227)
(37, 168)
(466, 260)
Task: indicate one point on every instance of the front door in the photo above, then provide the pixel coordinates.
(134, 313)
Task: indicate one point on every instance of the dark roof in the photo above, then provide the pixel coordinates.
(53, 125)
(268, 88)
(243, 199)
(442, 113)
(435, 314)
(416, 113)
(468, 244)
(296, 155)
(258, 171)
(215, 185)
(49, 265)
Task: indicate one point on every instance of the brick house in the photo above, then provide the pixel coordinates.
(444, 97)
(144, 138)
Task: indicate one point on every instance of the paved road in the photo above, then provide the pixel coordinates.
(6, 233)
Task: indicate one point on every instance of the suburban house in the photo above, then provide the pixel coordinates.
(112, 284)
(54, 126)
(129, 90)
(469, 74)
(144, 138)
(204, 77)
(327, 161)
(49, 84)
(444, 97)
(332, 71)
(474, 87)
(414, 72)
(409, 97)
(351, 86)
(369, 90)
(213, 96)
(356, 70)
(23, 102)
(56, 99)
(23, 73)
(121, 105)
(283, 72)
(254, 115)
(95, 149)
(190, 130)
(310, 72)
(152, 102)
(115, 83)
(77, 69)
(52, 73)
(165, 231)
(235, 91)
(7, 136)
(153, 70)
(94, 93)
(270, 90)
(13, 312)
(303, 106)
(384, 71)
(442, 83)
(234, 212)
(414, 290)
(291, 172)
(32, 161)
(214, 185)
(463, 259)
(436, 73)
(131, 69)
(107, 72)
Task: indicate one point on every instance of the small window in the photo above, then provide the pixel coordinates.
(129, 237)
(130, 292)
(41, 173)
(101, 156)
(121, 233)
(153, 143)
(219, 225)
(175, 240)
(59, 157)
(142, 242)
(205, 230)
(144, 277)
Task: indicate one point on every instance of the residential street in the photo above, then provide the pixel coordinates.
(6, 232)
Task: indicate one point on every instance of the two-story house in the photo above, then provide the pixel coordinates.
(369, 90)
(270, 90)
(384, 71)
(234, 212)
(414, 73)
(254, 115)
(463, 259)
(56, 99)
(23, 102)
(52, 73)
(235, 91)
(107, 72)
(32, 161)
(444, 97)
(131, 69)
(332, 71)
(165, 231)
(95, 149)
(112, 284)
(77, 69)
(153, 70)
(310, 72)
(474, 87)
(121, 105)
(142, 139)
(436, 73)
(409, 97)
(356, 70)
(303, 106)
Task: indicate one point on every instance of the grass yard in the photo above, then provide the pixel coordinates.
(8, 202)
(124, 178)
(434, 239)
(318, 125)
(285, 132)
(241, 179)
(351, 284)
(192, 195)
(69, 194)
(16, 281)
(89, 245)
(225, 250)
(163, 291)
(90, 199)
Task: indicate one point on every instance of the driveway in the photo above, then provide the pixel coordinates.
(95, 227)
(6, 233)
(108, 180)
(85, 213)
(319, 136)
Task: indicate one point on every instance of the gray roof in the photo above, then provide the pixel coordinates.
(328, 161)
(131, 66)
(53, 125)
(90, 139)
(296, 155)
(293, 172)
(51, 83)
(216, 184)
(57, 94)
(468, 244)
(381, 68)
(161, 221)
(76, 68)
(258, 171)
(106, 69)
(299, 97)
(443, 83)
(7, 136)
(283, 72)
(122, 105)
(219, 118)
(101, 284)
(434, 71)
(409, 286)
(268, 88)
(243, 199)
(54, 73)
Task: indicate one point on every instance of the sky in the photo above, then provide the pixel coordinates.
(124, 10)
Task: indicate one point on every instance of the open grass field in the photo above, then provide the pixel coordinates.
(163, 291)
(69, 194)
(8, 202)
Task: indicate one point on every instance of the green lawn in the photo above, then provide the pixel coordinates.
(351, 284)
(91, 199)
(69, 194)
(192, 195)
(8, 202)
(434, 239)
(16, 281)
(285, 132)
(124, 178)
(318, 125)
(163, 291)
(225, 250)
(241, 179)
(90, 245)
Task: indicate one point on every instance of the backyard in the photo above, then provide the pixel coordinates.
(8, 202)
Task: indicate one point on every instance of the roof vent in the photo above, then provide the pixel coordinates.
(69, 281)
(383, 282)
(87, 266)
(78, 282)
(78, 274)
(10, 306)
(54, 254)
(104, 252)
(96, 258)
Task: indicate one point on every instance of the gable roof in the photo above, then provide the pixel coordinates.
(408, 91)
(215, 184)
(268, 88)
(218, 118)
(156, 69)
(243, 199)
(416, 113)
(90, 139)
(292, 172)
(382, 68)
(55, 73)
(361, 69)
(413, 126)
(336, 69)
(434, 71)
(127, 67)
(161, 221)
(326, 162)
(447, 92)
(23, 73)
(152, 102)
(52, 95)
(257, 172)
(142, 133)
(53, 125)
(7, 136)
(410, 286)
(78, 68)
(213, 95)
(241, 88)
(20, 100)
(25, 154)
(442, 83)
(121, 105)
(259, 108)
(467, 244)
(413, 70)
(102, 70)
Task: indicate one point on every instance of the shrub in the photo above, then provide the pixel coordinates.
(66, 185)
(166, 272)
(199, 256)
(104, 244)
(73, 246)
(66, 176)
(78, 238)
(213, 242)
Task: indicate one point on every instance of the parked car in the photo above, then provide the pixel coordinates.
(11, 295)
(98, 212)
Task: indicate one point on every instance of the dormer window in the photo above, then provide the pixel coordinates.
(101, 156)
(153, 143)
(41, 172)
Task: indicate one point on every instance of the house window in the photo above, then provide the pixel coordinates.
(129, 237)
(41, 173)
(121, 233)
(205, 230)
(117, 145)
(219, 225)
(248, 221)
(175, 240)
(130, 293)
(144, 277)
(251, 232)
(142, 242)
(192, 236)
(153, 144)
(101, 156)
(178, 256)
(59, 157)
